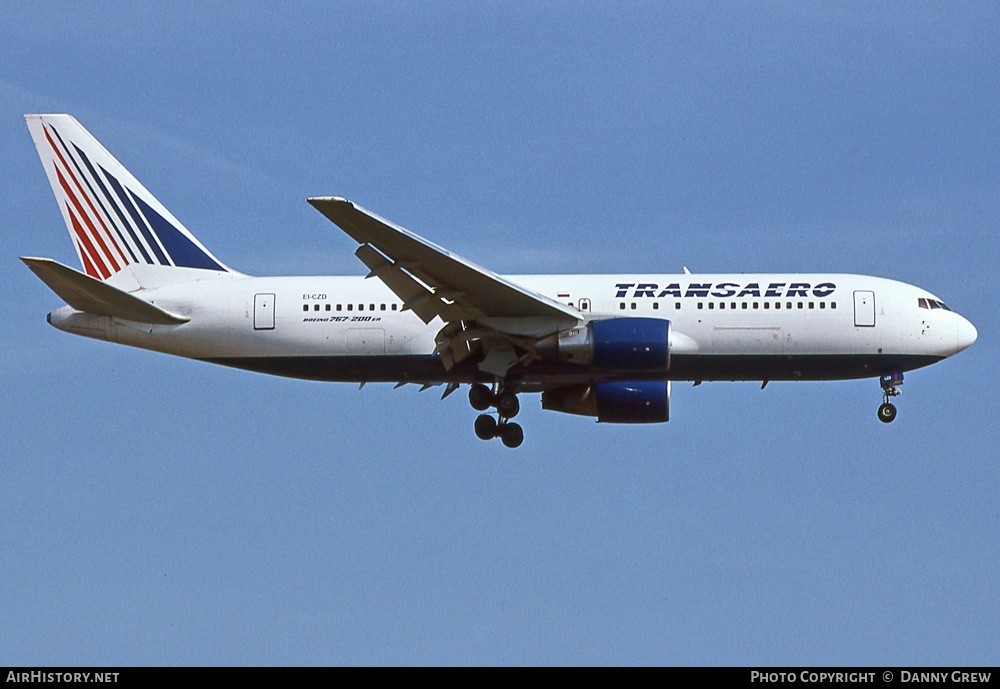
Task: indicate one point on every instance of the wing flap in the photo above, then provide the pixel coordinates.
(416, 297)
(90, 295)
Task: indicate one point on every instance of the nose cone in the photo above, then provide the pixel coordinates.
(967, 334)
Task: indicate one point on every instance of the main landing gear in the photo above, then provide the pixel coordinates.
(482, 398)
(889, 383)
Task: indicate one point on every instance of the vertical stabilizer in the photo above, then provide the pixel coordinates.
(113, 221)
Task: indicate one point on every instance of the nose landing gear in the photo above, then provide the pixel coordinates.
(889, 383)
(482, 398)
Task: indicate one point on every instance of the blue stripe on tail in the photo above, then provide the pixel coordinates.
(96, 197)
(182, 250)
(124, 197)
(110, 200)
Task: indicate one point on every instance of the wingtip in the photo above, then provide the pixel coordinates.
(314, 200)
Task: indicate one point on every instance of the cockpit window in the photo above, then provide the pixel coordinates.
(931, 304)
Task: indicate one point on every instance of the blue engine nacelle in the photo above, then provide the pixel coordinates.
(614, 344)
(614, 402)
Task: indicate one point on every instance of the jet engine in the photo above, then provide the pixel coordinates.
(613, 402)
(622, 344)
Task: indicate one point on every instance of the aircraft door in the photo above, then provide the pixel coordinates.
(864, 309)
(263, 312)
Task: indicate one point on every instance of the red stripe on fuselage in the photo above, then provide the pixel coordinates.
(97, 236)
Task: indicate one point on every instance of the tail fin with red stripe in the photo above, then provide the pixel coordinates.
(113, 221)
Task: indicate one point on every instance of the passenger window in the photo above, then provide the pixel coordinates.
(767, 305)
(339, 306)
(822, 304)
(305, 307)
(621, 306)
(327, 307)
(656, 306)
(800, 304)
(777, 305)
(711, 305)
(700, 305)
(361, 307)
(371, 307)
(744, 305)
(756, 305)
(381, 307)
(833, 304)
(633, 306)
(350, 307)
(393, 307)
(812, 305)
(316, 307)
(677, 306)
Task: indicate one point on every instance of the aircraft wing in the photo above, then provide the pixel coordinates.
(433, 281)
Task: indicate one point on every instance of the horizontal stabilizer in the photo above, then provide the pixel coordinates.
(90, 295)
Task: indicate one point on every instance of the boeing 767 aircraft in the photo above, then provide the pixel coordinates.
(605, 346)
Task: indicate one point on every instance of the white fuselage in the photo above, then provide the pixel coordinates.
(723, 327)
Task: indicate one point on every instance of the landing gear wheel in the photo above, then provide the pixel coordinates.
(507, 405)
(886, 412)
(480, 397)
(486, 427)
(511, 434)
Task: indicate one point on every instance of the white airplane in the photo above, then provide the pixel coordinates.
(605, 346)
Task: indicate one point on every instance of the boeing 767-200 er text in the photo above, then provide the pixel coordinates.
(605, 346)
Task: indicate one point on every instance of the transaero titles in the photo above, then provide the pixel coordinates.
(724, 290)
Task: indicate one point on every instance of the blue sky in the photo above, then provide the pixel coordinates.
(156, 510)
